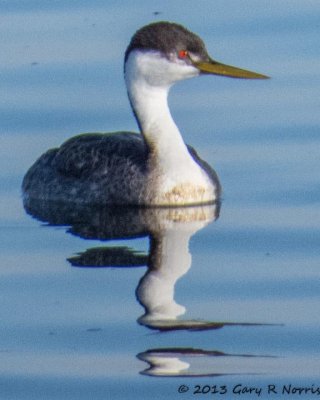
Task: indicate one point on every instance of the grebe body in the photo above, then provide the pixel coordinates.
(155, 167)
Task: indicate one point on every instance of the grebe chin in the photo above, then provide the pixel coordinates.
(155, 168)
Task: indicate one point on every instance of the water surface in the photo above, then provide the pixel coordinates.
(83, 316)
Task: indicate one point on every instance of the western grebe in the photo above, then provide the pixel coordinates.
(155, 167)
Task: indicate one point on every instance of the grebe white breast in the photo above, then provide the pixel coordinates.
(154, 167)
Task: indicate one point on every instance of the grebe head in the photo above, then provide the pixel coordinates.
(162, 53)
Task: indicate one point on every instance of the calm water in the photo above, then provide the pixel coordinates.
(231, 295)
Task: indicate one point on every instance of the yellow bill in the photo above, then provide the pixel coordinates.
(216, 68)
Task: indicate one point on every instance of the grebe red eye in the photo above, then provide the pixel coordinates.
(182, 54)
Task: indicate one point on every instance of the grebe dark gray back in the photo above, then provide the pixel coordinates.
(154, 167)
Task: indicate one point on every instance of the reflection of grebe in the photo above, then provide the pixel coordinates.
(169, 260)
(155, 168)
(169, 230)
(190, 362)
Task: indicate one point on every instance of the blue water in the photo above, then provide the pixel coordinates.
(246, 311)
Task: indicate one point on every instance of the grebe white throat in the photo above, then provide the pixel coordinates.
(149, 77)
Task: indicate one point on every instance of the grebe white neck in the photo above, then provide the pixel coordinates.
(176, 178)
(149, 76)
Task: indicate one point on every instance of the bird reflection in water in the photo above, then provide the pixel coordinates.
(169, 231)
